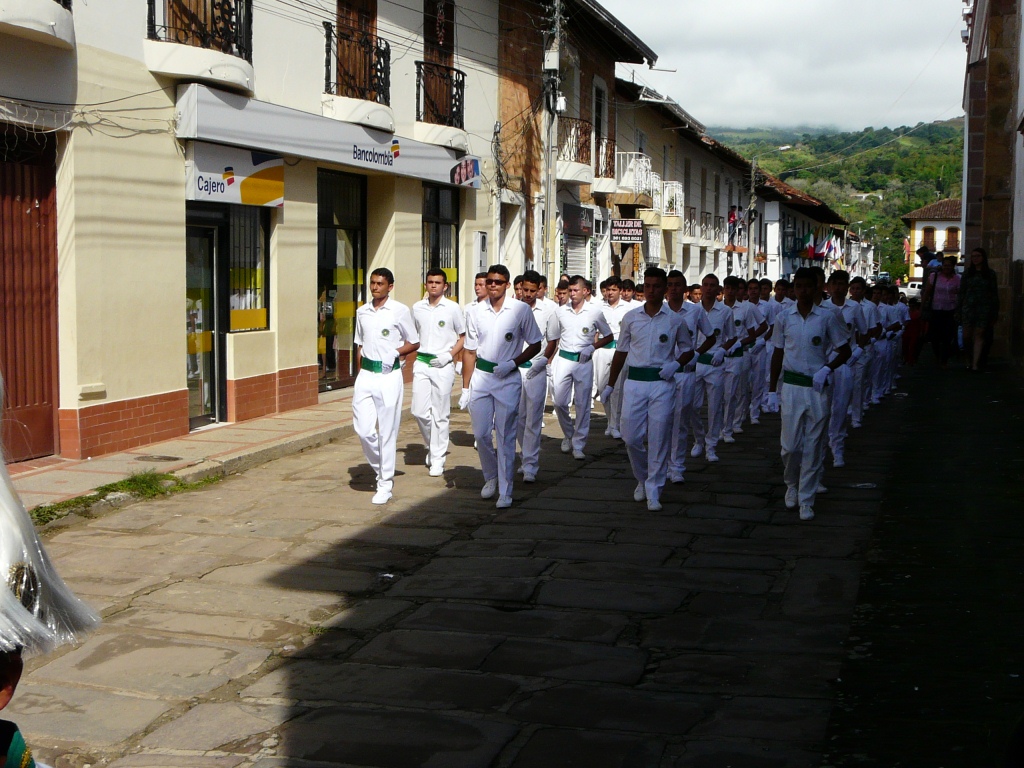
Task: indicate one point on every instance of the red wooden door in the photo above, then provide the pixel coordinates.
(357, 31)
(28, 313)
(439, 50)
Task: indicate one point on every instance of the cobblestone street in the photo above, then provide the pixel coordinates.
(278, 619)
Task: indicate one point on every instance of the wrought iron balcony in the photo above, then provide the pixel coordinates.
(656, 190)
(604, 160)
(633, 171)
(357, 65)
(65, 4)
(217, 25)
(574, 140)
(440, 95)
(673, 198)
(690, 222)
(706, 225)
(719, 229)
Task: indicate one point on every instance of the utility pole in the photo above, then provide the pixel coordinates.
(552, 82)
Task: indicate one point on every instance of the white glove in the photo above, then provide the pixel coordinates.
(771, 403)
(441, 360)
(464, 400)
(668, 370)
(386, 368)
(606, 394)
(586, 353)
(821, 378)
(503, 369)
(718, 357)
(760, 343)
(855, 356)
(538, 367)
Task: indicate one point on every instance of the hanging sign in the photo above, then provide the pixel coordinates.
(627, 230)
(220, 174)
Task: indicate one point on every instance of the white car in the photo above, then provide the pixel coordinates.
(912, 290)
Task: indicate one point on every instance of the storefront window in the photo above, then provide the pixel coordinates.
(247, 268)
(441, 233)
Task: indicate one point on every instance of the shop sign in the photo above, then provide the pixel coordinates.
(219, 174)
(577, 220)
(627, 230)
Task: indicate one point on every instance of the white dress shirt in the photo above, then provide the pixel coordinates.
(806, 340)
(651, 342)
(575, 330)
(439, 326)
(380, 332)
(497, 336)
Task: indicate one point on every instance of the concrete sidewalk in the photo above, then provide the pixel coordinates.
(220, 449)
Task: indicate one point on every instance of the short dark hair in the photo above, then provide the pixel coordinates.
(657, 273)
(675, 274)
(563, 285)
(839, 274)
(543, 280)
(806, 273)
(695, 287)
(498, 269)
(783, 282)
(604, 284)
(480, 276)
(765, 281)
(532, 276)
(613, 282)
(858, 280)
(711, 274)
(435, 272)
(518, 280)
(581, 279)
(384, 272)
(819, 274)
(628, 285)
(753, 282)
(731, 281)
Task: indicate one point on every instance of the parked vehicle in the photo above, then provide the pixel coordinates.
(912, 290)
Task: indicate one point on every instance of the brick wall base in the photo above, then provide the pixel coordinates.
(272, 393)
(120, 426)
(297, 388)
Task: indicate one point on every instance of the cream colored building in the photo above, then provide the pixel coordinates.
(937, 227)
(210, 192)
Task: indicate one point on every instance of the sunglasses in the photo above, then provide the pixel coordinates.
(495, 281)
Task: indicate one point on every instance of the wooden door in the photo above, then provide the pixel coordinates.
(202, 23)
(439, 50)
(28, 312)
(357, 33)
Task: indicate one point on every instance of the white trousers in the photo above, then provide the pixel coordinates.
(376, 415)
(758, 380)
(867, 364)
(682, 417)
(647, 415)
(432, 407)
(857, 388)
(804, 423)
(494, 409)
(735, 373)
(571, 382)
(531, 417)
(602, 371)
(842, 385)
(710, 388)
(878, 368)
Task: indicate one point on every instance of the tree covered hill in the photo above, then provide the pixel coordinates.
(870, 177)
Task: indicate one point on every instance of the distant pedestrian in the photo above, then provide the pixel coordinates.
(938, 306)
(978, 305)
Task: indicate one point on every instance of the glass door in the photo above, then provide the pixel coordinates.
(201, 325)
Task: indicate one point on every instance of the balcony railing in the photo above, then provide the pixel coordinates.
(673, 198)
(357, 65)
(604, 160)
(633, 170)
(574, 140)
(217, 25)
(656, 190)
(706, 226)
(65, 4)
(719, 229)
(440, 95)
(690, 222)
(952, 244)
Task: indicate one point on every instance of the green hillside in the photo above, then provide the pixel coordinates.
(899, 168)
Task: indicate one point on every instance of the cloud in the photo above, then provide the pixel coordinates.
(783, 63)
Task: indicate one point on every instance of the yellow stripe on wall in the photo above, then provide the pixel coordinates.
(248, 319)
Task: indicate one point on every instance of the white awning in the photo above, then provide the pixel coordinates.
(212, 115)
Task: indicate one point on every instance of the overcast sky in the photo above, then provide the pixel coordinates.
(763, 63)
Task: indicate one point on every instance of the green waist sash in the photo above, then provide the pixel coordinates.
(376, 366)
(643, 374)
(797, 379)
(573, 356)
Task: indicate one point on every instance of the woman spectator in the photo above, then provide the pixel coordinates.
(978, 305)
(940, 293)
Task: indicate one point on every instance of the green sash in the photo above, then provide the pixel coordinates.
(643, 374)
(797, 379)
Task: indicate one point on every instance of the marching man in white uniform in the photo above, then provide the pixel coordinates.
(710, 385)
(757, 379)
(384, 333)
(748, 324)
(614, 310)
(535, 382)
(654, 344)
(802, 335)
(843, 379)
(862, 368)
(573, 329)
(501, 335)
(441, 329)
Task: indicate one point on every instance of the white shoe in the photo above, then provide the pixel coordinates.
(381, 497)
(790, 498)
(640, 493)
(697, 450)
(806, 513)
(676, 477)
(653, 505)
(436, 471)
(712, 456)
(616, 434)
(754, 420)
(855, 424)
(579, 455)
(737, 430)
(489, 489)
(821, 489)
(608, 432)
(504, 502)
(838, 460)
(725, 439)
(566, 445)
(529, 477)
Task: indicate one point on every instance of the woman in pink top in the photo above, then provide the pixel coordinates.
(941, 290)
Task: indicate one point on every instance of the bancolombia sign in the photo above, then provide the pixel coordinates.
(220, 174)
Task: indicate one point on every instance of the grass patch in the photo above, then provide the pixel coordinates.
(140, 485)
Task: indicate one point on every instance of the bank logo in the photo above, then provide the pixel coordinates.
(396, 148)
(228, 175)
(374, 156)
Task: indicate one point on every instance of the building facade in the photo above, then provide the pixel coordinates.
(936, 227)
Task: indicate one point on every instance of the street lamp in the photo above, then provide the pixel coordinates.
(752, 201)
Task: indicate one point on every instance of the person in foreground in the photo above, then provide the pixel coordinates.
(803, 335)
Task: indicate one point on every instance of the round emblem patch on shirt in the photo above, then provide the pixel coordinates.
(508, 337)
(816, 341)
(385, 333)
(738, 322)
(585, 329)
(440, 323)
(663, 338)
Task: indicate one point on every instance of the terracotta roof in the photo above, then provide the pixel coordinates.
(770, 188)
(943, 210)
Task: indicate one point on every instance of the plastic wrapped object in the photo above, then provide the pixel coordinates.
(38, 612)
